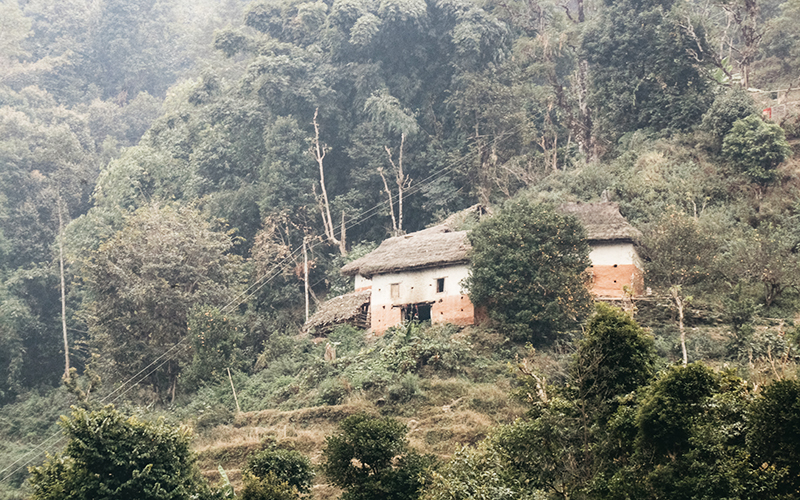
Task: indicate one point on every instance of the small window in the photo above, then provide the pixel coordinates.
(395, 290)
(440, 285)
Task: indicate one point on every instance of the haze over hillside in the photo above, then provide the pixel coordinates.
(165, 164)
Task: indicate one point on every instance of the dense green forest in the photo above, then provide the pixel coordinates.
(163, 162)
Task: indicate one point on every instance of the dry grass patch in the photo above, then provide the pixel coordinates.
(446, 432)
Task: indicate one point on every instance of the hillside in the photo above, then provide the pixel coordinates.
(181, 184)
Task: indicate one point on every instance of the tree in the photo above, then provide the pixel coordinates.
(765, 255)
(726, 109)
(756, 148)
(679, 252)
(774, 432)
(640, 71)
(142, 284)
(687, 439)
(371, 459)
(614, 358)
(109, 456)
(214, 343)
(528, 267)
(667, 412)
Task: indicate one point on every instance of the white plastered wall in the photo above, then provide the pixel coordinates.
(614, 253)
(418, 286)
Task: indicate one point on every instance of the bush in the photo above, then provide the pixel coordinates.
(111, 456)
(285, 466)
(267, 488)
(756, 148)
(370, 459)
(332, 391)
(404, 389)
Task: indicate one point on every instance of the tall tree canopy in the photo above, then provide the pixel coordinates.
(143, 282)
(528, 267)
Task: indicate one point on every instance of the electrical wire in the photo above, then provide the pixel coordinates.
(245, 295)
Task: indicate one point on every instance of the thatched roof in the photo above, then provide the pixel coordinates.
(433, 247)
(341, 309)
(602, 221)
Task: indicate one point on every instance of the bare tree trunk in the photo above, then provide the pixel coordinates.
(586, 141)
(679, 303)
(63, 288)
(391, 203)
(325, 206)
(402, 181)
(343, 237)
(305, 275)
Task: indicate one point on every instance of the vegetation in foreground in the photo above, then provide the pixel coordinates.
(611, 418)
(121, 133)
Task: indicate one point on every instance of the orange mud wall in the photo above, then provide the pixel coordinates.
(455, 309)
(385, 316)
(608, 281)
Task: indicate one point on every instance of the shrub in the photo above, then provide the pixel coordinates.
(285, 466)
(111, 456)
(267, 488)
(756, 148)
(370, 459)
(404, 389)
(332, 391)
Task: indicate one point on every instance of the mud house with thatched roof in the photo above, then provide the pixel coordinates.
(615, 262)
(419, 275)
(416, 277)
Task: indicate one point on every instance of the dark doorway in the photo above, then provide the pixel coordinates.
(417, 312)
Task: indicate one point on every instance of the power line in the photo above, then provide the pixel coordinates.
(244, 296)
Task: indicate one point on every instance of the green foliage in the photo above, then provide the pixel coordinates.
(546, 451)
(475, 473)
(289, 466)
(756, 148)
(268, 487)
(144, 282)
(774, 432)
(765, 256)
(614, 358)
(679, 250)
(642, 75)
(370, 459)
(528, 267)
(727, 108)
(110, 456)
(667, 411)
(214, 343)
(413, 348)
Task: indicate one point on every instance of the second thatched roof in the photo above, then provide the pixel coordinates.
(602, 221)
(433, 247)
(348, 308)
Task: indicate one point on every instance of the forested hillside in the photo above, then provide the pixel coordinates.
(164, 163)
